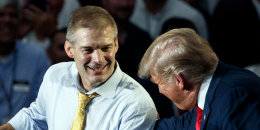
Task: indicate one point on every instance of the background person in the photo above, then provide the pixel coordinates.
(56, 52)
(22, 66)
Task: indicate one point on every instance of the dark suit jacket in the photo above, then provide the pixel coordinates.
(232, 102)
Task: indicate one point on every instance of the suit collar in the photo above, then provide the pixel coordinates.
(219, 73)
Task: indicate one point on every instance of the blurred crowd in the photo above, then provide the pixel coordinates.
(33, 32)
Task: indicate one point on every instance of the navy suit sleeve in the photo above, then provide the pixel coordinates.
(177, 122)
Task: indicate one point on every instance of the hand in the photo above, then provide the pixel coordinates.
(44, 23)
(6, 126)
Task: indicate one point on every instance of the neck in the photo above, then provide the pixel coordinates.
(192, 96)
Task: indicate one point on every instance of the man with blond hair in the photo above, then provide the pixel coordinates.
(188, 72)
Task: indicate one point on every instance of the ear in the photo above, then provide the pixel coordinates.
(69, 49)
(180, 81)
(116, 44)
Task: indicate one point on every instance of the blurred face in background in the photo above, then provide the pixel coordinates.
(54, 6)
(119, 9)
(56, 51)
(8, 23)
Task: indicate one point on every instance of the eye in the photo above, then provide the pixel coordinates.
(106, 49)
(87, 50)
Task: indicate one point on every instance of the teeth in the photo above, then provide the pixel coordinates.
(97, 69)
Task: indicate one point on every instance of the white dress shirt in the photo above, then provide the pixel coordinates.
(123, 105)
(203, 90)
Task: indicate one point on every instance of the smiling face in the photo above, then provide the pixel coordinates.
(56, 51)
(94, 53)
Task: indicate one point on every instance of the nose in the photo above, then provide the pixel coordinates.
(97, 56)
(160, 89)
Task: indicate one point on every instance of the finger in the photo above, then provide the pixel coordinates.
(29, 15)
(36, 9)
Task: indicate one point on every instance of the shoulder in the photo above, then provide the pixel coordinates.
(236, 90)
(62, 66)
(134, 93)
(60, 70)
(240, 76)
(229, 79)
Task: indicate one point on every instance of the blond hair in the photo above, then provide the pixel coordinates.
(179, 51)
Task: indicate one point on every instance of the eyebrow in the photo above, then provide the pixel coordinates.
(107, 45)
(110, 44)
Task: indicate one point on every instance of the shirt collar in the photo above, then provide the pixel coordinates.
(204, 89)
(108, 89)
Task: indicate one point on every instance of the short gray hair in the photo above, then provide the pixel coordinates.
(91, 17)
(179, 51)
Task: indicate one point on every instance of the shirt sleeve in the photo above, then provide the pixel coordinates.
(139, 115)
(34, 117)
(29, 119)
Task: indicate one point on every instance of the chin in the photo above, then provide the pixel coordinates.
(185, 107)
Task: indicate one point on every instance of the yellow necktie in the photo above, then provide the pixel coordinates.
(79, 121)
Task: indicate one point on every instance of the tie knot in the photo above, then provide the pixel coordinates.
(85, 99)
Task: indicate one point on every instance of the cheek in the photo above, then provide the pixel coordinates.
(109, 56)
(163, 89)
(82, 58)
(167, 90)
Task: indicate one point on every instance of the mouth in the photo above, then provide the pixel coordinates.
(97, 70)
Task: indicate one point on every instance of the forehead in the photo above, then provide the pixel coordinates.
(94, 36)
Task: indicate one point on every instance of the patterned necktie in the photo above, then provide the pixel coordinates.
(199, 115)
(80, 118)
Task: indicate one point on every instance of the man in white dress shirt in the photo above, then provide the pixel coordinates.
(123, 104)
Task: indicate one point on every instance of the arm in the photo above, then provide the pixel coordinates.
(6, 126)
(34, 117)
(138, 115)
(185, 121)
